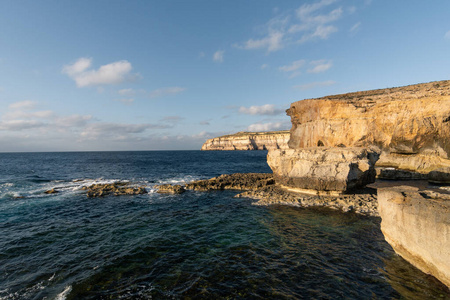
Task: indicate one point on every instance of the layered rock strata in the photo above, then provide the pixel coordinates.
(416, 223)
(323, 170)
(409, 125)
(249, 141)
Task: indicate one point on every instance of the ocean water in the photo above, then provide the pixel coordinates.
(200, 245)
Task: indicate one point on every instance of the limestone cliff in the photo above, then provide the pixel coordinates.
(249, 141)
(410, 125)
(417, 225)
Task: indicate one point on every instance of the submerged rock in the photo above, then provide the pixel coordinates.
(52, 191)
(416, 223)
(117, 189)
(170, 189)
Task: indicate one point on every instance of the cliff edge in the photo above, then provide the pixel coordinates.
(249, 141)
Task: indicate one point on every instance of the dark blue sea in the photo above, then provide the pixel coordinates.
(198, 245)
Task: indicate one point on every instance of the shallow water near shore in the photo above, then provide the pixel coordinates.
(195, 245)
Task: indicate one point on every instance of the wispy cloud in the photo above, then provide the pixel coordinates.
(166, 91)
(266, 109)
(126, 101)
(127, 92)
(113, 73)
(27, 105)
(294, 66)
(319, 66)
(314, 21)
(355, 28)
(313, 85)
(447, 35)
(264, 66)
(172, 119)
(218, 56)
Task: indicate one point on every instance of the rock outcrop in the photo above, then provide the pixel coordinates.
(116, 189)
(249, 141)
(170, 189)
(409, 125)
(237, 181)
(322, 170)
(416, 223)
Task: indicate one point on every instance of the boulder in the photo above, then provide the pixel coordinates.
(170, 189)
(416, 223)
(323, 170)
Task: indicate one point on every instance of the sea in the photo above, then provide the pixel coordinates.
(197, 245)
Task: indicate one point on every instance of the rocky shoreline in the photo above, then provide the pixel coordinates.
(262, 187)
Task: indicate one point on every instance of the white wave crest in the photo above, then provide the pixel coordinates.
(63, 294)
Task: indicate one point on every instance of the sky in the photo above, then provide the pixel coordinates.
(167, 75)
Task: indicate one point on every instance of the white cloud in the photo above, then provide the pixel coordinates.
(127, 92)
(310, 22)
(313, 85)
(113, 73)
(218, 56)
(319, 66)
(73, 121)
(447, 35)
(18, 125)
(273, 42)
(294, 66)
(267, 109)
(27, 104)
(268, 126)
(355, 28)
(166, 91)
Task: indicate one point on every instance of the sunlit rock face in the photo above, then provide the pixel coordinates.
(417, 226)
(323, 170)
(409, 126)
(249, 141)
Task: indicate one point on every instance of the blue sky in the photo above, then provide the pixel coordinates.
(167, 75)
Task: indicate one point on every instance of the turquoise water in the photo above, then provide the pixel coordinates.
(202, 245)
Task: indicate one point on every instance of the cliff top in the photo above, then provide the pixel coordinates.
(244, 133)
(434, 88)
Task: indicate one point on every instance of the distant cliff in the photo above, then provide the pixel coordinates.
(249, 141)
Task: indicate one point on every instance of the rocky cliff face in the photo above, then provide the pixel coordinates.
(417, 225)
(249, 141)
(410, 125)
(322, 170)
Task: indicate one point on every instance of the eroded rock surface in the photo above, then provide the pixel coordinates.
(363, 201)
(249, 141)
(117, 189)
(323, 170)
(416, 223)
(170, 189)
(237, 181)
(410, 125)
